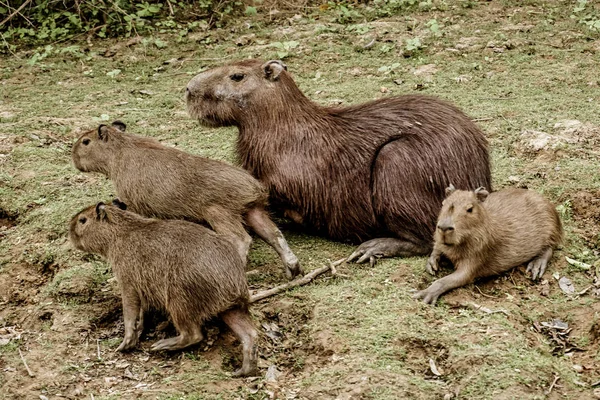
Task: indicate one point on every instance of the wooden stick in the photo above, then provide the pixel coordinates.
(296, 282)
(98, 348)
(556, 378)
(15, 12)
(31, 374)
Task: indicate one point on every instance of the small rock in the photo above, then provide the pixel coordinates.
(42, 397)
(578, 368)
(272, 374)
(514, 179)
(566, 285)
(384, 89)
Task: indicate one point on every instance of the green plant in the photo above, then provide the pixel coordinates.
(284, 48)
(584, 16)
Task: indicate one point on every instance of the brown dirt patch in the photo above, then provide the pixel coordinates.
(586, 212)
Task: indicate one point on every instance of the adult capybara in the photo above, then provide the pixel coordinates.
(164, 182)
(486, 234)
(375, 170)
(173, 265)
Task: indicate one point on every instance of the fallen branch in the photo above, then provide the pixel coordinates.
(297, 282)
(556, 378)
(31, 374)
(486, 310)
(17, 11)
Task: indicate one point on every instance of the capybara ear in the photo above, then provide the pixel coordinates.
(120, 125)
(103, 132)
(273, 68)
(101, 211)
(481, 194)
(450, 189)
(120, 204)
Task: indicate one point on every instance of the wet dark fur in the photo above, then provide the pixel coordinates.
(369, 170)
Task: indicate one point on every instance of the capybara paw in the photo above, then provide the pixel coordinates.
(166, 344)
(127, 344)
(537, 268)
(245, 371)
(427, 296)
(432, 266)
(292, 268)
(370, 251)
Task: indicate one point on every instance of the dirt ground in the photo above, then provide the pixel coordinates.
(527, 72)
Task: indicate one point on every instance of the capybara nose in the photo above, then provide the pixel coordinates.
(445, 227)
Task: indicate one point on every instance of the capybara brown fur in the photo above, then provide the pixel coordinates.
(486, 234)
(160, 181)
(177, 266)
(374, 171)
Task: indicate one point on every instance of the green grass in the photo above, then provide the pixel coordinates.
(336, 331)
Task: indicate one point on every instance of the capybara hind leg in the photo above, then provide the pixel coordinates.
(131, 311)
(240, 323)
(261, 223)
(230, 227)
(454, 280)
(187, 337)
(387, 247)
(538, 265)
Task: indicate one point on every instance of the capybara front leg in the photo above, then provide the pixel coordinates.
(538, 265)
(456, 279)
(240, 323)
(131, 311)
(387, 247)
(433, 261)
(261, 223)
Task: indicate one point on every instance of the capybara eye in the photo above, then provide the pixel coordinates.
(237, 77)
(85, 141)
(470, 209)
(82, 220)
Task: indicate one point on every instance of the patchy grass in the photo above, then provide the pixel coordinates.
(513, 66)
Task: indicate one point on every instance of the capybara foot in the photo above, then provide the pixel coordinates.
(292, 267)
(538, 265)
(373, 249)
(245, 371)
(128, 343)
(432, 265)
(175, 343)
(428, 295)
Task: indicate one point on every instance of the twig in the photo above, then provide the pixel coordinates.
(98, 348)
(596, 384)
(483, 294)
(296, 282)
(487, 310)
(556, 378)
(31, 374)
(17, 11)
(483, 119)
(170, 7)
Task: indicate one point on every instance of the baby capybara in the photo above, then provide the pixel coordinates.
(374, 171)
(486, 234)
(159, 181)
(177, 266)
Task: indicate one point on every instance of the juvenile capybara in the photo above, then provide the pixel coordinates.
(374, 171)
(486, 234)
(177, 266)
(159, 181)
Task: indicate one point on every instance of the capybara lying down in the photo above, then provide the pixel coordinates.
(374, 171)
(486, 234)
(183, 268)
(159, 181)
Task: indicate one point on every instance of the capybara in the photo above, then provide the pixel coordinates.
(374, 171)
(486, 234)
(159, 181)
(177, 266)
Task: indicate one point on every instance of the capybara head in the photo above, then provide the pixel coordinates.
(94, 150)
(224, 96)
(462, 211)
(92, 229)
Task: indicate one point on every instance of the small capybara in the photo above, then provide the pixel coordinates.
(486, 234)
(374, 171)
(177, 266)
(163, 182)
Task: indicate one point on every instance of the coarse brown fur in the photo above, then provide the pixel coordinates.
(172, 265)
(487, 234)
(366, 171)
(164, 182)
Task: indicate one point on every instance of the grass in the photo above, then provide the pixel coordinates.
(357, 335)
